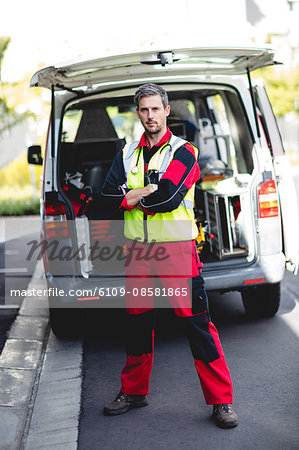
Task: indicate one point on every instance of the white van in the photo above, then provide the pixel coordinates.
(245, 203)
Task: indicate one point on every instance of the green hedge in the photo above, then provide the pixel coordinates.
(19, 207)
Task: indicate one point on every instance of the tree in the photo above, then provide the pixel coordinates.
(282, 87)
(8, 115)
(4, 42)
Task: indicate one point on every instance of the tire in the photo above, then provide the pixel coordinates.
(261, 301)
(66, 322)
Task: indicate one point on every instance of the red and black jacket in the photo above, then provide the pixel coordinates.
(181, 174)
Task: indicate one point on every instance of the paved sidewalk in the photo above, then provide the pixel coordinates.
(40, 381)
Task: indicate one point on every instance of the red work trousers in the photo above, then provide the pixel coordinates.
(192, 309)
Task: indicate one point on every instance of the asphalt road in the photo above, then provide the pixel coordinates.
(7, 317)
(15, 270)
(263, 359)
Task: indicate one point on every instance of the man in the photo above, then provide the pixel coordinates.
(153, 182)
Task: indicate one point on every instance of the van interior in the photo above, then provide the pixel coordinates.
(212, 118)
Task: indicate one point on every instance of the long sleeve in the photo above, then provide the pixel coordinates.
(114, 189)
(181, 174)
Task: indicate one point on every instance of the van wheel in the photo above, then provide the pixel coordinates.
(261, 301)
(66, 322)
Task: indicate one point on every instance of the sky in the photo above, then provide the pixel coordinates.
(45, 33)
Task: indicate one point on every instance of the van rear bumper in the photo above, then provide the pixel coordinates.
(269, 268)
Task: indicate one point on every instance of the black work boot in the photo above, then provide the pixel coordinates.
(123, 403)
(224, 416)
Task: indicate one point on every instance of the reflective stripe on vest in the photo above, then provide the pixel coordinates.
(177, 225)
(130, 154)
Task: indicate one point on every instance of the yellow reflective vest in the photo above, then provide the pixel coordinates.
(177, 225)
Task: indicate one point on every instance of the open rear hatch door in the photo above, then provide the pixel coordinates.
(151, 64)
(286, 187)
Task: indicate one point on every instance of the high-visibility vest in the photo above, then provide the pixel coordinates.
(177, 225)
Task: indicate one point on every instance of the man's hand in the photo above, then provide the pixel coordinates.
(133, 197)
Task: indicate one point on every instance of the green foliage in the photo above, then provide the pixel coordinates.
(17, 174)
(29, 206)
(4, 43)
(18, 201)
(16, 193)
(8, 115)
(282, 87)
(17, 197)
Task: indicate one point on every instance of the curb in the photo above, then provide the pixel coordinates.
(40, 380)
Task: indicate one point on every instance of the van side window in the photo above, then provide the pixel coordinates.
(216, 140)
(71, 121)
(224, 133)
(90, 122)
(125, 122)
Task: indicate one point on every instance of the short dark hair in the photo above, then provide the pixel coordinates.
(148, 89)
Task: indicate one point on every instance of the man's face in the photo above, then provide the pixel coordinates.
(152, 114)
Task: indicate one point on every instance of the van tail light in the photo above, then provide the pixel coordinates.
(55, 220)
(268, 199)
(55, 209)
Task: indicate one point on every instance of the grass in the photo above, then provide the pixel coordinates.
(18, 201)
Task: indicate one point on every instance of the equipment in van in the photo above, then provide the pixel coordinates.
(79, 194)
